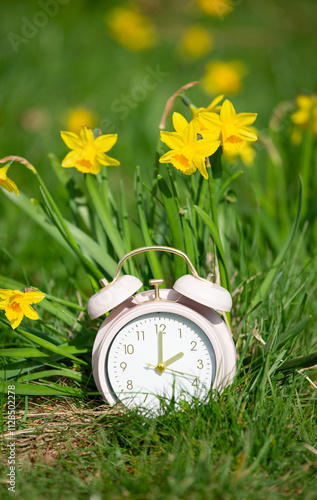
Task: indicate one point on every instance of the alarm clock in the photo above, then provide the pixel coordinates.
(161, 344)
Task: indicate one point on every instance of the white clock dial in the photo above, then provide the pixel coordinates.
(160, 354)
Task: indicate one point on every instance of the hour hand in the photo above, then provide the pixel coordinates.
(173, 359)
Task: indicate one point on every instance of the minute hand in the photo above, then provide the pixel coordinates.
(173, 359)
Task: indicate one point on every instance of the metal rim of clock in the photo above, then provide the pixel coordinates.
(159, 248)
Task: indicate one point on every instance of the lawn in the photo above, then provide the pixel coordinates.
(249, 218)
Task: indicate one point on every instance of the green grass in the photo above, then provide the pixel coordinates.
(256, 440)
(244, 444)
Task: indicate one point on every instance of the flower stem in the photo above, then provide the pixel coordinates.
(223, 270)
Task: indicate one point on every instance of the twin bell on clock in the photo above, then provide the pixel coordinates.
(161, 343)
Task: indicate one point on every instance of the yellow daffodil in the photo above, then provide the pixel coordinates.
(7, 183)
(246, 153)
(188, 153)
(230, 127)
(196, 42)
(216, 8)
(307, 110)
(212, 108)
(17, 304)
(224, 77)
(131, 28)
(78, 118)
(88, 153)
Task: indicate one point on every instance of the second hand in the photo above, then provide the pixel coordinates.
(174, 371)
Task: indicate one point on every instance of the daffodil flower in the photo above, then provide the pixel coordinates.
(212, 108)
(88, 153)
(188, 153)
(229, 127)
(307, 110)
(17, 304)
(246, 153)
(216, 8)
(131, 28)
(7, 183)
(224, 77)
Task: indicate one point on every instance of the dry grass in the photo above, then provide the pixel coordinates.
(52, 428)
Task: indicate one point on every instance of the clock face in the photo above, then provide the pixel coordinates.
(160, 355)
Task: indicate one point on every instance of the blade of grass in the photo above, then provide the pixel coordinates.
(175, 224)
(90, 247)
(45, 343)
(268, 282)
(300, 362)
(152, 257)
(224, 275)
(105, 216)
(23, 389)
(63, 372)
(190, 235)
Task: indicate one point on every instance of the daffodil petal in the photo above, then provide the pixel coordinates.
(10, 186)
(3, 172)
(210, 121)
(179, 122)
(214, 103)
(70, 159)
(227, 112)
(15, 322)
(172, 139)
(190, 133)
(243, 119)
(29, 312)
(105, 142)
(72, 140)
(86, 134)
(166, 158)
(200, 164)
(33, 297)
(207, 148)
(6, 294)
(14, 316)
(247, 134)
(107, 160)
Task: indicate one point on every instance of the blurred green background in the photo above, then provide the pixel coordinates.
(59, 56)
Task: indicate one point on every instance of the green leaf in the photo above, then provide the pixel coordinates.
(190, 234)
(297, 363)
(238, 330)
(90, 248)
(63, 372)
(174, 222)
(290, 334)
(225, 279)
(23, 389)
(105, 216)
(18, 368)
(226, 184)
(269, 280)
(152, 257)
(46, 344)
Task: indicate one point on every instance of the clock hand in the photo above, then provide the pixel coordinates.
(173, 359)
(160, 346)
(174, 371)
